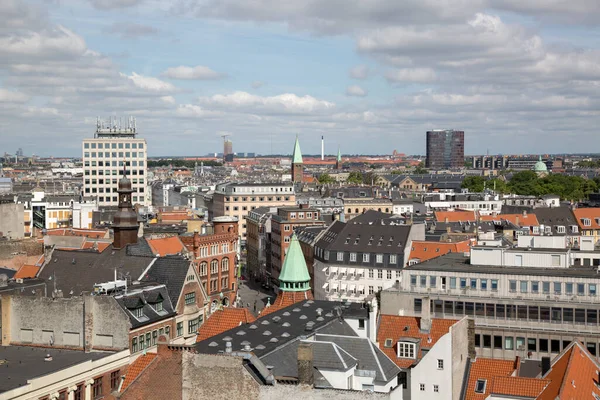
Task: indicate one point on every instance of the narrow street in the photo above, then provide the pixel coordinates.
(253, 296)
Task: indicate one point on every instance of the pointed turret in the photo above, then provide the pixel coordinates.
(294, 275)
(338, 160)
(297, 164)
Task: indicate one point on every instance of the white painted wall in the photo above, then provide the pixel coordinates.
(427, 372)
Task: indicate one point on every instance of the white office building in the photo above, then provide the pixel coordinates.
(113, 147)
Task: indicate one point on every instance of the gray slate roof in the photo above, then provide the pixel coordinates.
(170, 271)
(147, 298)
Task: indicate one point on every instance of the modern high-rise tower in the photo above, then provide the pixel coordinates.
(114, 146)
(445, 149)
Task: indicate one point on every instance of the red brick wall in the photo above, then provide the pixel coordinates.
(150, 328)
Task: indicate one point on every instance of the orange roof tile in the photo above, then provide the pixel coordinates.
(455, 216)
(424, 250)
(286, 299)
(574, 372)
(223, 320)
(394, 327)
(518, 386)
(591, 214)
(516, 219)
(27, 271)
(166, 246)
(135, 369)
(486, 369)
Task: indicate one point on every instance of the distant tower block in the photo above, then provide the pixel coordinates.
(297, 164)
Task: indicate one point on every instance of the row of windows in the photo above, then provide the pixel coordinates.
(148, 340)
(582, 316)
(366, 257)
(102, 145)
(114, 198)
(354, 290)
(356, 210)
(107, 181)
(214, 284)
(93, 163)
(214, 250)
(114, 154)
(309, 215)
(253, 199)
(544, 345)
(214, 267)
(109, 189)
(94, 172)
(96, 387)
(552, 287)
(463, 283)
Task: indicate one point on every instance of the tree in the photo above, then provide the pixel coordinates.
(355, 177)
(420, 169)
(474, 183)
(325, 178)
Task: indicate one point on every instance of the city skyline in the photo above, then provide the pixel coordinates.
(516, 78)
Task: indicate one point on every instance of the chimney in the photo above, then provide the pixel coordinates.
(425, 325)
(446, 220)
(524, 213)
(517, 221)
(162, 347)
(545, 365)
(372, 332)
(471, 338)
(305, 363)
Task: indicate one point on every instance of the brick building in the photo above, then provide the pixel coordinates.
(215, 257)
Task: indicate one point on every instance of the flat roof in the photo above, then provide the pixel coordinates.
(18, 364)
(456, 262)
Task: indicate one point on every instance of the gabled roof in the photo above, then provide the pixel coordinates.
(520, 220)
(297, 155)
(455, 216)
(26, 271)
(166, 246)
(397, 327)
(170, 271)
(486, 369)
(426, 250)
(574, 372)
(518, 386)
(146, 298)
(555, 216)
(593, 214)
(136, 369)
(223, 320)
(294, 268)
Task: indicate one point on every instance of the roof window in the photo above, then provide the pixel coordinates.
(480, 385)
(388, 342)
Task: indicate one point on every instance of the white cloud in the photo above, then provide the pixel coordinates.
(114, 4)
(355, 91)
(7, 96)
(283, 103)
(198, 72)
(52, 43)
(149, 83)
(132, 30)
(359, 72)
(422, 75)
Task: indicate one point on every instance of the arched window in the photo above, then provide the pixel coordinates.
(225, 265)
(203, 268)
(214, 267)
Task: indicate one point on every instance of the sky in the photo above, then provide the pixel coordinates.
(371, 76)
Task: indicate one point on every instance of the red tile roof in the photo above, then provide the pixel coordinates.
(591, 213)
(135, 369)
(27, 271)
(455, 216)
(89, 233)
(516, 219)
(286, 299)
(573, 373)
(486, 369)
(394, 327)
(224, 320)
(425, 250)
(166, 246)
(518, 386)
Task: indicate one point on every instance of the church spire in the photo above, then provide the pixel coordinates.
(294, 275)
(297, 165)
(338, 160)
(297, 155)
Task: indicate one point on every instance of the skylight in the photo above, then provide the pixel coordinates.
(480, 385)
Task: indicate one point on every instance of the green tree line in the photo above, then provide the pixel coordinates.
(181, 163)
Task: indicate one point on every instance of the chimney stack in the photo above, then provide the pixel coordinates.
(425, 325)
(305, 364)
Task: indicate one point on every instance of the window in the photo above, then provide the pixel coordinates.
(370, 273)
(340, 256)
(546, 287)
(115, 377)
(180, 329)
(138, 312)
(432, 281)
(509, 343)
(474, 284)
(440, 364)
(352, 257)
(193, 326)
(154, 337)
(393, 259)
(535, 286)
(592, 289)
(580, 289)
(158, 307)
(436, 388)
(512, 286)
(134, 345)
(422, 387)
(97, 387)
(413, 280)
(361, 324)
(379, 258)
(556, 258)
(520, 343)
(326, 255)
(494, 284)
(190, 298)
(463, 283)
(406, 350)
(203, 267)
(453, 283)
(389, 274)
(557, 287)
(480, 386)
(483, 284)
(371, 290)
(225, 265)
(423, 281)
(524, 286)
(379, 274)
(569, 287)
(366, 257)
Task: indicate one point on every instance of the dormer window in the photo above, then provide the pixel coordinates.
(138, 312)
(480, 385)
(406, 350)
(560, 229)
(574, 229)
(158, 307)
(586, 221)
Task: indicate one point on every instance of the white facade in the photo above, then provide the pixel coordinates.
(426, 377)
(103, 162)
(403, 208)
(351, 282)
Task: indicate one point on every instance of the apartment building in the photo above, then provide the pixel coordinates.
(237, 199)
(283, 225)
(483, 204)
(588, 220)
(529, 301)
(366, 255)
(258, 241)
(113, 149)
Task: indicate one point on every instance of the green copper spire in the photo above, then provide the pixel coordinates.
(294, 275)
(297, 156)
(339, 157)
